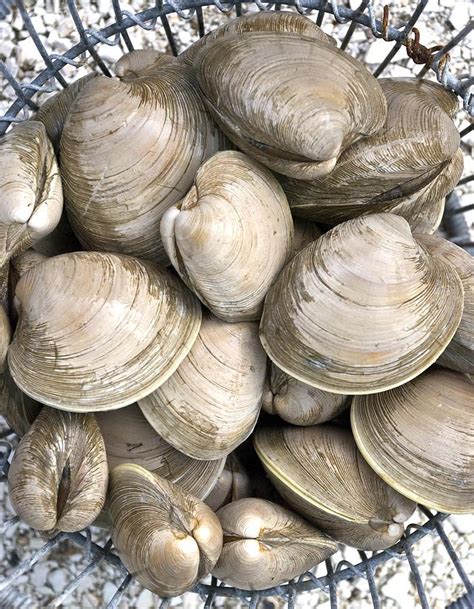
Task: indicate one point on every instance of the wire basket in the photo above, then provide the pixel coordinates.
(435, 61)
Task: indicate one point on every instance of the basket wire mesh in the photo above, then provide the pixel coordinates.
(436, 59)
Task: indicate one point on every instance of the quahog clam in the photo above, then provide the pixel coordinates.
(298, 403)
(362, 309)
(420, 439)
(270, 94)
(230, 236)
(166, 538)
(233, 484)
(211, 403)
(58, 475)
(378, 172)
(129, 150)
(98, 331)
(459, 354)
(30, 189)
(321, 474)
(129, 438)
(264, 21)
(266, 545)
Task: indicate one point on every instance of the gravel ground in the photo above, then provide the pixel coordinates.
(48, 578)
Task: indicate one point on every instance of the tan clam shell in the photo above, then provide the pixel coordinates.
(266, 545)
(420, 438)
(234, 483)
(18, 409)
(459, 354)
(424, 209)
(298, 403)
(363, 309)
(30, 189)
(166, 538)
(130, 150)
(230, 236)
(270, 94)
(321, 474)
(378, 172)
(265, 21)
(53, 112)
(98, 331)
(211, 403)
(58, 476)
(130, 439)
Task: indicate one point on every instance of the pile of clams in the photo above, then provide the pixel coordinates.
(194, 363)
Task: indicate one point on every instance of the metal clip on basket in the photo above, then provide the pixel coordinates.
(437, 60)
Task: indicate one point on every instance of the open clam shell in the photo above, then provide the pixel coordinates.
(298, 403)
(230, 236)
(129, 150)
(129, 438)
(58, 475)
(98, 331)
(266, 545)
(270, 94)
(420, 439)
(31, 196)
(264, 21)
(211, 403)
(459, 354)
(166, 538)
(362, 309)
(377, 173)
(321, 474)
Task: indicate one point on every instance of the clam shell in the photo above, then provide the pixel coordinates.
(230, 236)
(321, 474)
(98, 331)
(58, 476)
(298, 403)
(265, 21)
(363, 309)
(266, 545)
(31, 198)
(211, 403)
(270, 94)
(135, 63)
(424, 209)
(166, 538)
(379, 172)
(459, 354)
(130, 150)
(130, 439)
(53, 112)
(420, 439)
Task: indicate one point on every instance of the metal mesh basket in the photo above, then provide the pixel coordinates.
(435, 62)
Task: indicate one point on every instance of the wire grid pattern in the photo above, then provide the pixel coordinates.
(454, 223)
